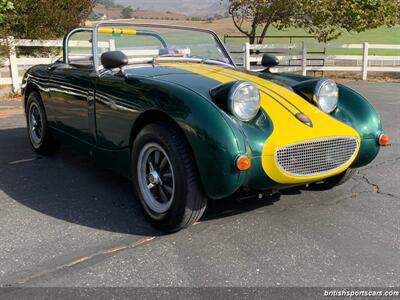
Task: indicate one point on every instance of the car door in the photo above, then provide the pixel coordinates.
(72, 88)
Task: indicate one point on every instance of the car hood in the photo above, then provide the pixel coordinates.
(198, 83)
(197, 77)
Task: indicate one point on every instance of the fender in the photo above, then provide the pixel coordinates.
(356, 111)
(214, 139)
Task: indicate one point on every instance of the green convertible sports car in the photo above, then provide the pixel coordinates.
(166, 107)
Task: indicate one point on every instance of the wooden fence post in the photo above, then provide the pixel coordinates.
(304, 59)
(365, 62)
(12, 56)
(246, 58)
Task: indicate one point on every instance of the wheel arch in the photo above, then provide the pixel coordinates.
(153, 116)
(30, 87)
(148, 117)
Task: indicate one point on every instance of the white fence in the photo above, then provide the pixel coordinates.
(293, 58)
(15, 63)
(302, 58)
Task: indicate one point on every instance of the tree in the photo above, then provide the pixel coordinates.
(335, 16)
(325, 19)
(127, 12)
(45, 19)
(5, 6)
(260, 14)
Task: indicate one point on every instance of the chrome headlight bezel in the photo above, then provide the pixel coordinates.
(326, 102)
(252, 105)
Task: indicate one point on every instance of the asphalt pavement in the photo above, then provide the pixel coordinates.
(66, 222)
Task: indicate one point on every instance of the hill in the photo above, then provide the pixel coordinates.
(107, 12)
(185, 7)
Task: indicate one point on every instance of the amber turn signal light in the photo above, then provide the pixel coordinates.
(384, 140)
(243, 163)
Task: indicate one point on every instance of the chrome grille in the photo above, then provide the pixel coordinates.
(316, 157)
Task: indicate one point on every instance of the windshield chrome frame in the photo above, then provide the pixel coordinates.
(98, 66)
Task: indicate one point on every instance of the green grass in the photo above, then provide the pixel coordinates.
(382, 35)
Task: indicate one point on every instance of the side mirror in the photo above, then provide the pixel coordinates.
(269, 61)
(114, 59)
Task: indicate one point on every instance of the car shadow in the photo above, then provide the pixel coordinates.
(235, 205)
(71, 187)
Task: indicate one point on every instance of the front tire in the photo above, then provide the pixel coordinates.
(165, 178)
(38, 130)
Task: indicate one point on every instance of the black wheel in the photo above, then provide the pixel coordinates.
(165, 178)
(331, 182)
(38, 132)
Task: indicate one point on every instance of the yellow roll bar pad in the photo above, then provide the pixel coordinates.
(112, 30)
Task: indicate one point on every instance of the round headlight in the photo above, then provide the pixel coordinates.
(244, 100)
(327, 95)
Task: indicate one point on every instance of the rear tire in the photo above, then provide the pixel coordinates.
(331, 182)
(165, 178)
(38, 130)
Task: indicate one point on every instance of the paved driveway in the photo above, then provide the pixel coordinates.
(65, 222)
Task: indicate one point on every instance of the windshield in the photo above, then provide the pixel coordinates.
(147, 43)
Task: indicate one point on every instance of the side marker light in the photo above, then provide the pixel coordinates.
(243, 163)
(384, 140)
